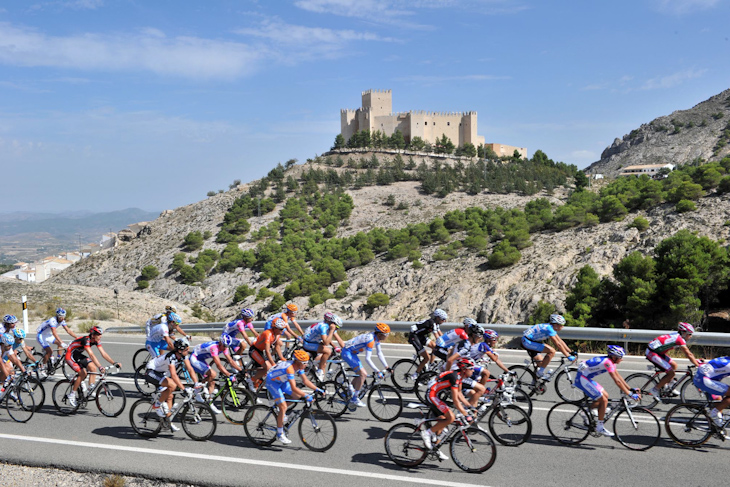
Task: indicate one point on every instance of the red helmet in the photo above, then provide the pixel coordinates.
(96, 330)
(465, 363)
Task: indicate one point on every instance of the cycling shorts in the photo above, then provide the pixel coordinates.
(310, 346)
(257, 356)
(278, 390)
(154, 377)
(441, 353)
(235, 343)
(531, 346)
(437, 403)
(46, 338)
(78, 361)
(155, 348)
(199, 366)
(659, 359)
(417, 343)
(593, 389)
(709, 386)
(352, 360)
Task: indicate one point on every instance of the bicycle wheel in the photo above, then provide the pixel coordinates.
(643, 382)
(385, 403)
(140, 382)
(336, 399)
(19, 403)
(565, 388)
(688, 424)
(141, 357)
(68, 372)
(110, 399)
(690, 393)
(422, 385)
(36, 388)
(522, 399)
(60, 394)
(473, 450)
(234, 407)
(637, 428)
(526, 378)
(403, 445)
(402, 372)
(510, 425)
(569, 423)
(317, 430)
(144, 419)
(198, 421)
(260, 425)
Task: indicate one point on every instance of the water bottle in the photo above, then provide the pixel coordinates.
(442, 435)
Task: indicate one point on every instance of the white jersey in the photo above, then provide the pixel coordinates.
(47, 325)
(158, 333)
(162, 363)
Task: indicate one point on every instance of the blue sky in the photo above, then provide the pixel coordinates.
(107, 104)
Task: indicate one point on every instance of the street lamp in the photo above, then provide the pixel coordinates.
(116, 295)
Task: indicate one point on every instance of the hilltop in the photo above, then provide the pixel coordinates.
(702, 132)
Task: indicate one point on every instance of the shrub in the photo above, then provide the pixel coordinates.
(100, 314)
(85, 326)
(211, 193)
(207, 234)
(242, 292)
(193, 241)
(202, 313)
(263, 293)
(377, 300)
(640, 223)
(178, 261)
(149, 272)
(504, 255)
(142, 284)
(683, 206)
(114, 481)
(341, 290)
(277, 302)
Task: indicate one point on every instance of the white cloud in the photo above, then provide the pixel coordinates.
(681, 7)
(672, 79)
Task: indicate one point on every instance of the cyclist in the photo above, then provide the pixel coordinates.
(595, 366)
(533, 337)
(158, 333)
(464, 348)
(419, 337)
(280, 383)
(446, 341)
(452, 380)
(79, 362)
(367, 342)
(20, 343)
(162, 372)
(656, 353)
(709, 380)
(7, 352)
(260, 351)
(46, 334)
(288, 312)
(318, 337)
(243, 322)
(212, 350)
(482, 354)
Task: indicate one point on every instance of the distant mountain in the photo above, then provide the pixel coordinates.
(702, 132)
(72, 223)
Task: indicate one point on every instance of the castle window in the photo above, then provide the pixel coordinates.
(425, 123)
(448, 124)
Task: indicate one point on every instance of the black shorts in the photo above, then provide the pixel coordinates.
(441, 353)
(417, 342)
(81, 359)
(154, 377)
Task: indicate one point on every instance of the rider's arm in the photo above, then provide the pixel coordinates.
(218, 364)
(450, 360)
(68, 330)
(339, 340)
(170, 343)
(459, 400)
(690, 355)
(16, 361)
(105, 355)
(191, 370)
(620, 382)
(493, 356)
(381, 357)
(175, 378)
(301, 332)
(560, 345)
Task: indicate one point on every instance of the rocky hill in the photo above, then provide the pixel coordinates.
(464, 286)
(702, 132)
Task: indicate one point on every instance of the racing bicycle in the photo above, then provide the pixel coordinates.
(109, 396)
(197, 419)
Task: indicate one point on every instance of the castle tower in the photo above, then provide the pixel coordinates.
(379, 102)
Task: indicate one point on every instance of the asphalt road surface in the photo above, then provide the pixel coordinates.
(89, 441)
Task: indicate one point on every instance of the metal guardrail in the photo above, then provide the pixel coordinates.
(617, 335)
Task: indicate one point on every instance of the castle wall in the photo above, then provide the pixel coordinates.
(379, 102)
(348, 123)
(507, 150)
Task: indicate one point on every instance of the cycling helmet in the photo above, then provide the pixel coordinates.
(440, 314)
(19, 333)
(175, 318)
(556, 319)
(490, 335)
(465, 363)
(60, 313)
(10, 319)
(290, 308)
(337, 321)
(96, 330)
(468, 322)
(247, 313)
(686, 327)
(181, 344)
(615, 351)
(382, 328)
(279, 324)
(170, 309)
(301, 356)
(225, 340)
(329, 317)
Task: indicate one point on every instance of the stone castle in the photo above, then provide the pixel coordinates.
(376, 113)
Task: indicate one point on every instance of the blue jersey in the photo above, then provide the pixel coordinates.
(540, 332)
(596, 366)
(361, 342)
(479, 351)
(206, 350)
(314, 333)
(282, 372)
(8, 339)
(716, 369)
(48, 324)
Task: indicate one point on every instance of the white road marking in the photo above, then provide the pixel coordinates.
(218, 458)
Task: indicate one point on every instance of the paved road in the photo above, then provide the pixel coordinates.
(89, 441)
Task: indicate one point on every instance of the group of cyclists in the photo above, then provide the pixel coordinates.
(464, 353)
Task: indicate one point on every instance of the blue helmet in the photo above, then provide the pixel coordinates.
(19, 333)
(10, 319)
(490, 335)
(225, 340)
(247, 313)
(174, 317)
(60, 313)
(615, 351)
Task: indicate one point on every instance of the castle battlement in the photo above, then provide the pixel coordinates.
(368, 92)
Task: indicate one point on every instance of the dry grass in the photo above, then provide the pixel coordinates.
(114, 481)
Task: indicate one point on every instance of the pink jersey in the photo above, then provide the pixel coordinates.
(665, 343)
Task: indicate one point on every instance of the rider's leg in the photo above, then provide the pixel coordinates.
(668, 376)
(326, 353)
(549, 354)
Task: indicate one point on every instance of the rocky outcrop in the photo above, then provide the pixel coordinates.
(681, 137)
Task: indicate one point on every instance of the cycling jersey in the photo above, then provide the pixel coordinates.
(257, 351)
(277, 380)
(425, 328)
(479, 352)
(207, 350)
(270, 322)
(446, 380)
(44, 332)
(48, 324)
(313, 336)
(8, 340)
(464, 347)
(158, 332)
(162, 363)
(540, 332)
(448, 340)
(665, 343)
(366, 342)
(158, 319)
(709, 375)
(75, 357)
(589, 369)
(233, 328)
